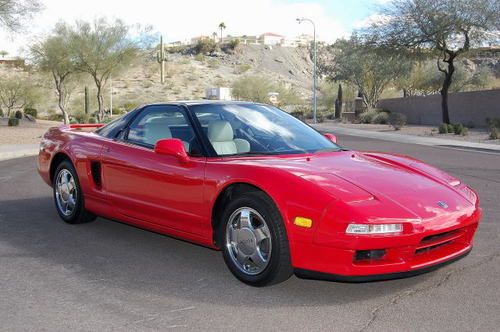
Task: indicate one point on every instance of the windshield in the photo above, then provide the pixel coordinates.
(246, 129)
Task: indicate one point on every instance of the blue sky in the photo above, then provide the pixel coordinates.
(183, 19)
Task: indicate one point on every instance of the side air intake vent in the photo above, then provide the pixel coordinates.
(95, 168)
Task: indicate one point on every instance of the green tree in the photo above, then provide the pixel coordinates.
(222, 27)
(15, 13)
(54, 55)
(4, 53)
(101, 49)
(256, 88)
(447, 27)
(369, 68)
(16, 92)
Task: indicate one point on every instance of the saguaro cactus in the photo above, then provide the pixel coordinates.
(161, 58)
(87, 103)
(338, 103)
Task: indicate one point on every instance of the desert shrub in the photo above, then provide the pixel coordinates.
(1, 113)
(397, 120)
(458, 128)
(213, 63)
(495, 122)
(199, 57)
(381, 118)
(299, 114)
(176, 49)
(80, 117)
(73, 121)
(451, 129)
(320, 117)
(493, 132)
(53, 116)
(232, 45)
(465, 131)
(367, 117)
(92, 120)
(205, 46)
(129, 106)
(242, 68)
(31, 111)
(18, 115)
(13, 122)
(443, 128)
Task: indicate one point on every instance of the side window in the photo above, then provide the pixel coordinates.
(160, 122)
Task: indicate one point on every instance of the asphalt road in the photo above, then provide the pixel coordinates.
(110, 276)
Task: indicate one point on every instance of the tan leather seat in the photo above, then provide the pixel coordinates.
(221, 135)
(157, 129)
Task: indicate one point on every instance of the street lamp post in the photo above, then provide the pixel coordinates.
(300, 20)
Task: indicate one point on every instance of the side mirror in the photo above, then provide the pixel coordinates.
(331, 137)
(172, 147)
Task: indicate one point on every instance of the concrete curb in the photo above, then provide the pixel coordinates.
(12, 151)
(430, 141)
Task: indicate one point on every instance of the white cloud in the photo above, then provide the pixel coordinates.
(179, 20)
(369, 21)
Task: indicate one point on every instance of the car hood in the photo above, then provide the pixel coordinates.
(404, 183)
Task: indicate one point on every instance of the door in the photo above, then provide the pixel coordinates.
(155, 188)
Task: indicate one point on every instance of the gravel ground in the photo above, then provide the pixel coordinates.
(26, 133)
(477, 135)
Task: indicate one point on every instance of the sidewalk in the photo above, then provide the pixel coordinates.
(18, 150)
(394, 137)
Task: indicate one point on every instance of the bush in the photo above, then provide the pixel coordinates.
(397, 120)
(443, 128)
(129, 106)
(493, 133)
(451, 129)
(495, 122)
(381, 118)
(213, 63)
(31, 111)
(205, 46)
(80, 117)
(53, 116)
(242, 68)
(199, 57)
(233, 44)
(92, 120)
(18, 115)
(13, 122)
(458, 128)
(73, 121)
(367, 117)
(465, 131)
(1, 113)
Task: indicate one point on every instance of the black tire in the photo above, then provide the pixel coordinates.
(79, 214)
(279, 267)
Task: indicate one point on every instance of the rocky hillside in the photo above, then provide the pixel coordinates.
(187, 76)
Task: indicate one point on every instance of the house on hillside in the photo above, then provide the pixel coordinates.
(12, 62)
(218, 93)
(271, 39)
(196, 39)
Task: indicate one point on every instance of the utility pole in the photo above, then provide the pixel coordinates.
(300, 20)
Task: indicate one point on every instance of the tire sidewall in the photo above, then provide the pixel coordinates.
(74, 216)
(272, 217)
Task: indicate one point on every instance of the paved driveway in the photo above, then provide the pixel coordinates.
(110, 276)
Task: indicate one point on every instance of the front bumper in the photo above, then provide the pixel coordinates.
(437, 244)
(308, 274)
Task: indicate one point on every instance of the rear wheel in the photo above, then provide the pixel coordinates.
(254, 241)
(68, 195)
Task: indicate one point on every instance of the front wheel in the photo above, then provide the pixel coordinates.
(68, 195)
(255, 244)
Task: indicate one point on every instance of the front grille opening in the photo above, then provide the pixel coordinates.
(427, 249)
(438, 237)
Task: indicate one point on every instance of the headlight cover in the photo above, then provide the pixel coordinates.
(374, 228)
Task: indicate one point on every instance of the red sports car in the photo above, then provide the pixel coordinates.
(274, 195)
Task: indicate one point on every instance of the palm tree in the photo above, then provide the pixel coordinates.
(222, 26)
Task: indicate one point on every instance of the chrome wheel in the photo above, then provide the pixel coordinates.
(66, 193)
(248, 241)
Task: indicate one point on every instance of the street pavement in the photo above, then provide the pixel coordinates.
(110, 276)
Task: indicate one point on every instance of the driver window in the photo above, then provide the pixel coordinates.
(161, 122)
